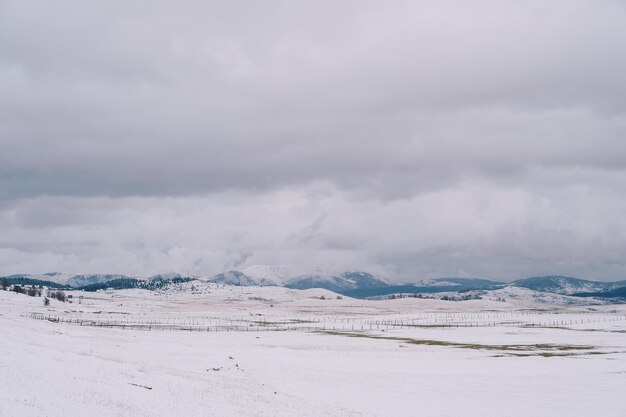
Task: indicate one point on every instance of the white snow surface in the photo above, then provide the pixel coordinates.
(481, 364)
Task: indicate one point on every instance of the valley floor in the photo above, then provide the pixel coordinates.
(575, 367)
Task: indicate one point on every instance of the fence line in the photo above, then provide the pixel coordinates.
(336, 322)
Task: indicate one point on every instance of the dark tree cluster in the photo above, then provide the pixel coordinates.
(34, 292)
(58, 295)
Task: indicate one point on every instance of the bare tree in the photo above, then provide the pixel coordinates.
(5, 284)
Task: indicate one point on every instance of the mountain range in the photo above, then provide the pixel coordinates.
(353, 283)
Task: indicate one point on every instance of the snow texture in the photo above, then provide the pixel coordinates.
(474, 358)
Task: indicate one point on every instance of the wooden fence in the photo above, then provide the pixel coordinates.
(338, 323)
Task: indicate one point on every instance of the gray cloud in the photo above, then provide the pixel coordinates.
(415, 138)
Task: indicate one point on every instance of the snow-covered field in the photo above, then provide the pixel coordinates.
(202, 349)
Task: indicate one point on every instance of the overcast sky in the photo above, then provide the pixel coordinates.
(413, 139)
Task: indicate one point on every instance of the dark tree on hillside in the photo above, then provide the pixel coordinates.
(5, 284)
(46, 301)
(19, 289)
(32, 291)
(60, 295)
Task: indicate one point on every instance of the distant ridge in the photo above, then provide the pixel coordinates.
(357, 284)
(90, 279)
(25, 280)
(565, 285)
(338, 283)
(618, 293)
(240, 279)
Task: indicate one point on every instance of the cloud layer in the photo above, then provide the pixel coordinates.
(414, 139)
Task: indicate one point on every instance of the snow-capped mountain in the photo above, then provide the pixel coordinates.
(90, 279)
(263, 275)
(354, 284)
(337, 283)
(562, 285)
(268, 274)
(239, 278)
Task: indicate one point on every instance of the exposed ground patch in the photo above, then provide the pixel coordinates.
(519, 350)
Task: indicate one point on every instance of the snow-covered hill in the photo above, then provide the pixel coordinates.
(268, 274)
(90, 279)
(264, 275)
(562, 285)
(526, 295)
(239, 278)
(338, 283)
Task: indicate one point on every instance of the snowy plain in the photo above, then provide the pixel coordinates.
(199, 349)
